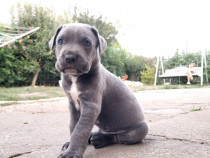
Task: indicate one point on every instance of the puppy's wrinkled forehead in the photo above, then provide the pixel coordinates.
(77, 33)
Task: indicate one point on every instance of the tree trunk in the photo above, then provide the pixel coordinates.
(35, 77)
(133, 77)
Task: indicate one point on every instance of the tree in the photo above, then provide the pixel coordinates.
(13, 68)
(106, 29)
(114, 59)
(6, 67)
(134, 65)
(148, 76)
(36, 48)
(173, 62)
(183, 59)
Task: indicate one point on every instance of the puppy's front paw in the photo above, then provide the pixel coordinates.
(100, 140)
(69, 155)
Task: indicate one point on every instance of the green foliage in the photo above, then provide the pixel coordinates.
(148, 76)
(106, 29)
(6, 65)
(20, 63)
(36, 48)
(114, 59)
(133, 65)
(184, 59)
(13, 68)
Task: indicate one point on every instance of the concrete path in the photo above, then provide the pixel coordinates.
(179, 122)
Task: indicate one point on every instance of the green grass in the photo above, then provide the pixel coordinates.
(30, 93)
(196, 109)
(159, 87)
(8, 103)
(34, 93)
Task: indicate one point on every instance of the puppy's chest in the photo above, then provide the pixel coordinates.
(74, 93)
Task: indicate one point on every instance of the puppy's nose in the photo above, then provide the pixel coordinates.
(70, 58)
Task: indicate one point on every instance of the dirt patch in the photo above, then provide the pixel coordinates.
(36, 94)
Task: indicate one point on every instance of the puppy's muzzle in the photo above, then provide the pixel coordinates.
(71, 58)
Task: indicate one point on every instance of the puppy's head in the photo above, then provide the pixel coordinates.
(77, 48)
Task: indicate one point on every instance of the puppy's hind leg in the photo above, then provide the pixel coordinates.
(132, 136)
(100, 140)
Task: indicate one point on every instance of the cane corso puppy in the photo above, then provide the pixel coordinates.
(96, 96)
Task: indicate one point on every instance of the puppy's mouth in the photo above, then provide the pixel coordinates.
(71, 71)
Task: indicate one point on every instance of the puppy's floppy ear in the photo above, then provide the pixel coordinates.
(101, 42)
(53, 39)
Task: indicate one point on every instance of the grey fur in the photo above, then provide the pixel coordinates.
(96, 96)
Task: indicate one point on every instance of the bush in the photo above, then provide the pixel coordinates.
(13, 68)
(148, 76)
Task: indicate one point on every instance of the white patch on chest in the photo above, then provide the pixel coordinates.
(75, 93)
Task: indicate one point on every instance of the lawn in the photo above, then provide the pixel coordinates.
(30, 93)
(159, 87)
(41, 92)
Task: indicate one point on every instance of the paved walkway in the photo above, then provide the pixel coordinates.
(179, 122)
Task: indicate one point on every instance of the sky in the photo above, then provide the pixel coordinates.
(146, 27)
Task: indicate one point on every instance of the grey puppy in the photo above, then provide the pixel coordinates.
(96, 96)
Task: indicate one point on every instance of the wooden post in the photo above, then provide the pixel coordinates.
(161, 62)
(201, 68)
(207, 79)
(156, 71)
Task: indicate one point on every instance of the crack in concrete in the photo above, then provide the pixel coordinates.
(19, 154)
(180, 139)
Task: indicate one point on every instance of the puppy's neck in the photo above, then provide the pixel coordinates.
(73, 79)
(74, 92)
(94, 70)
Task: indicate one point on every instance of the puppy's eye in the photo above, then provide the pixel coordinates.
(87, 43)
(60, 41)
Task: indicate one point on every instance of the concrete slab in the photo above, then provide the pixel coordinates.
(38, 129)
